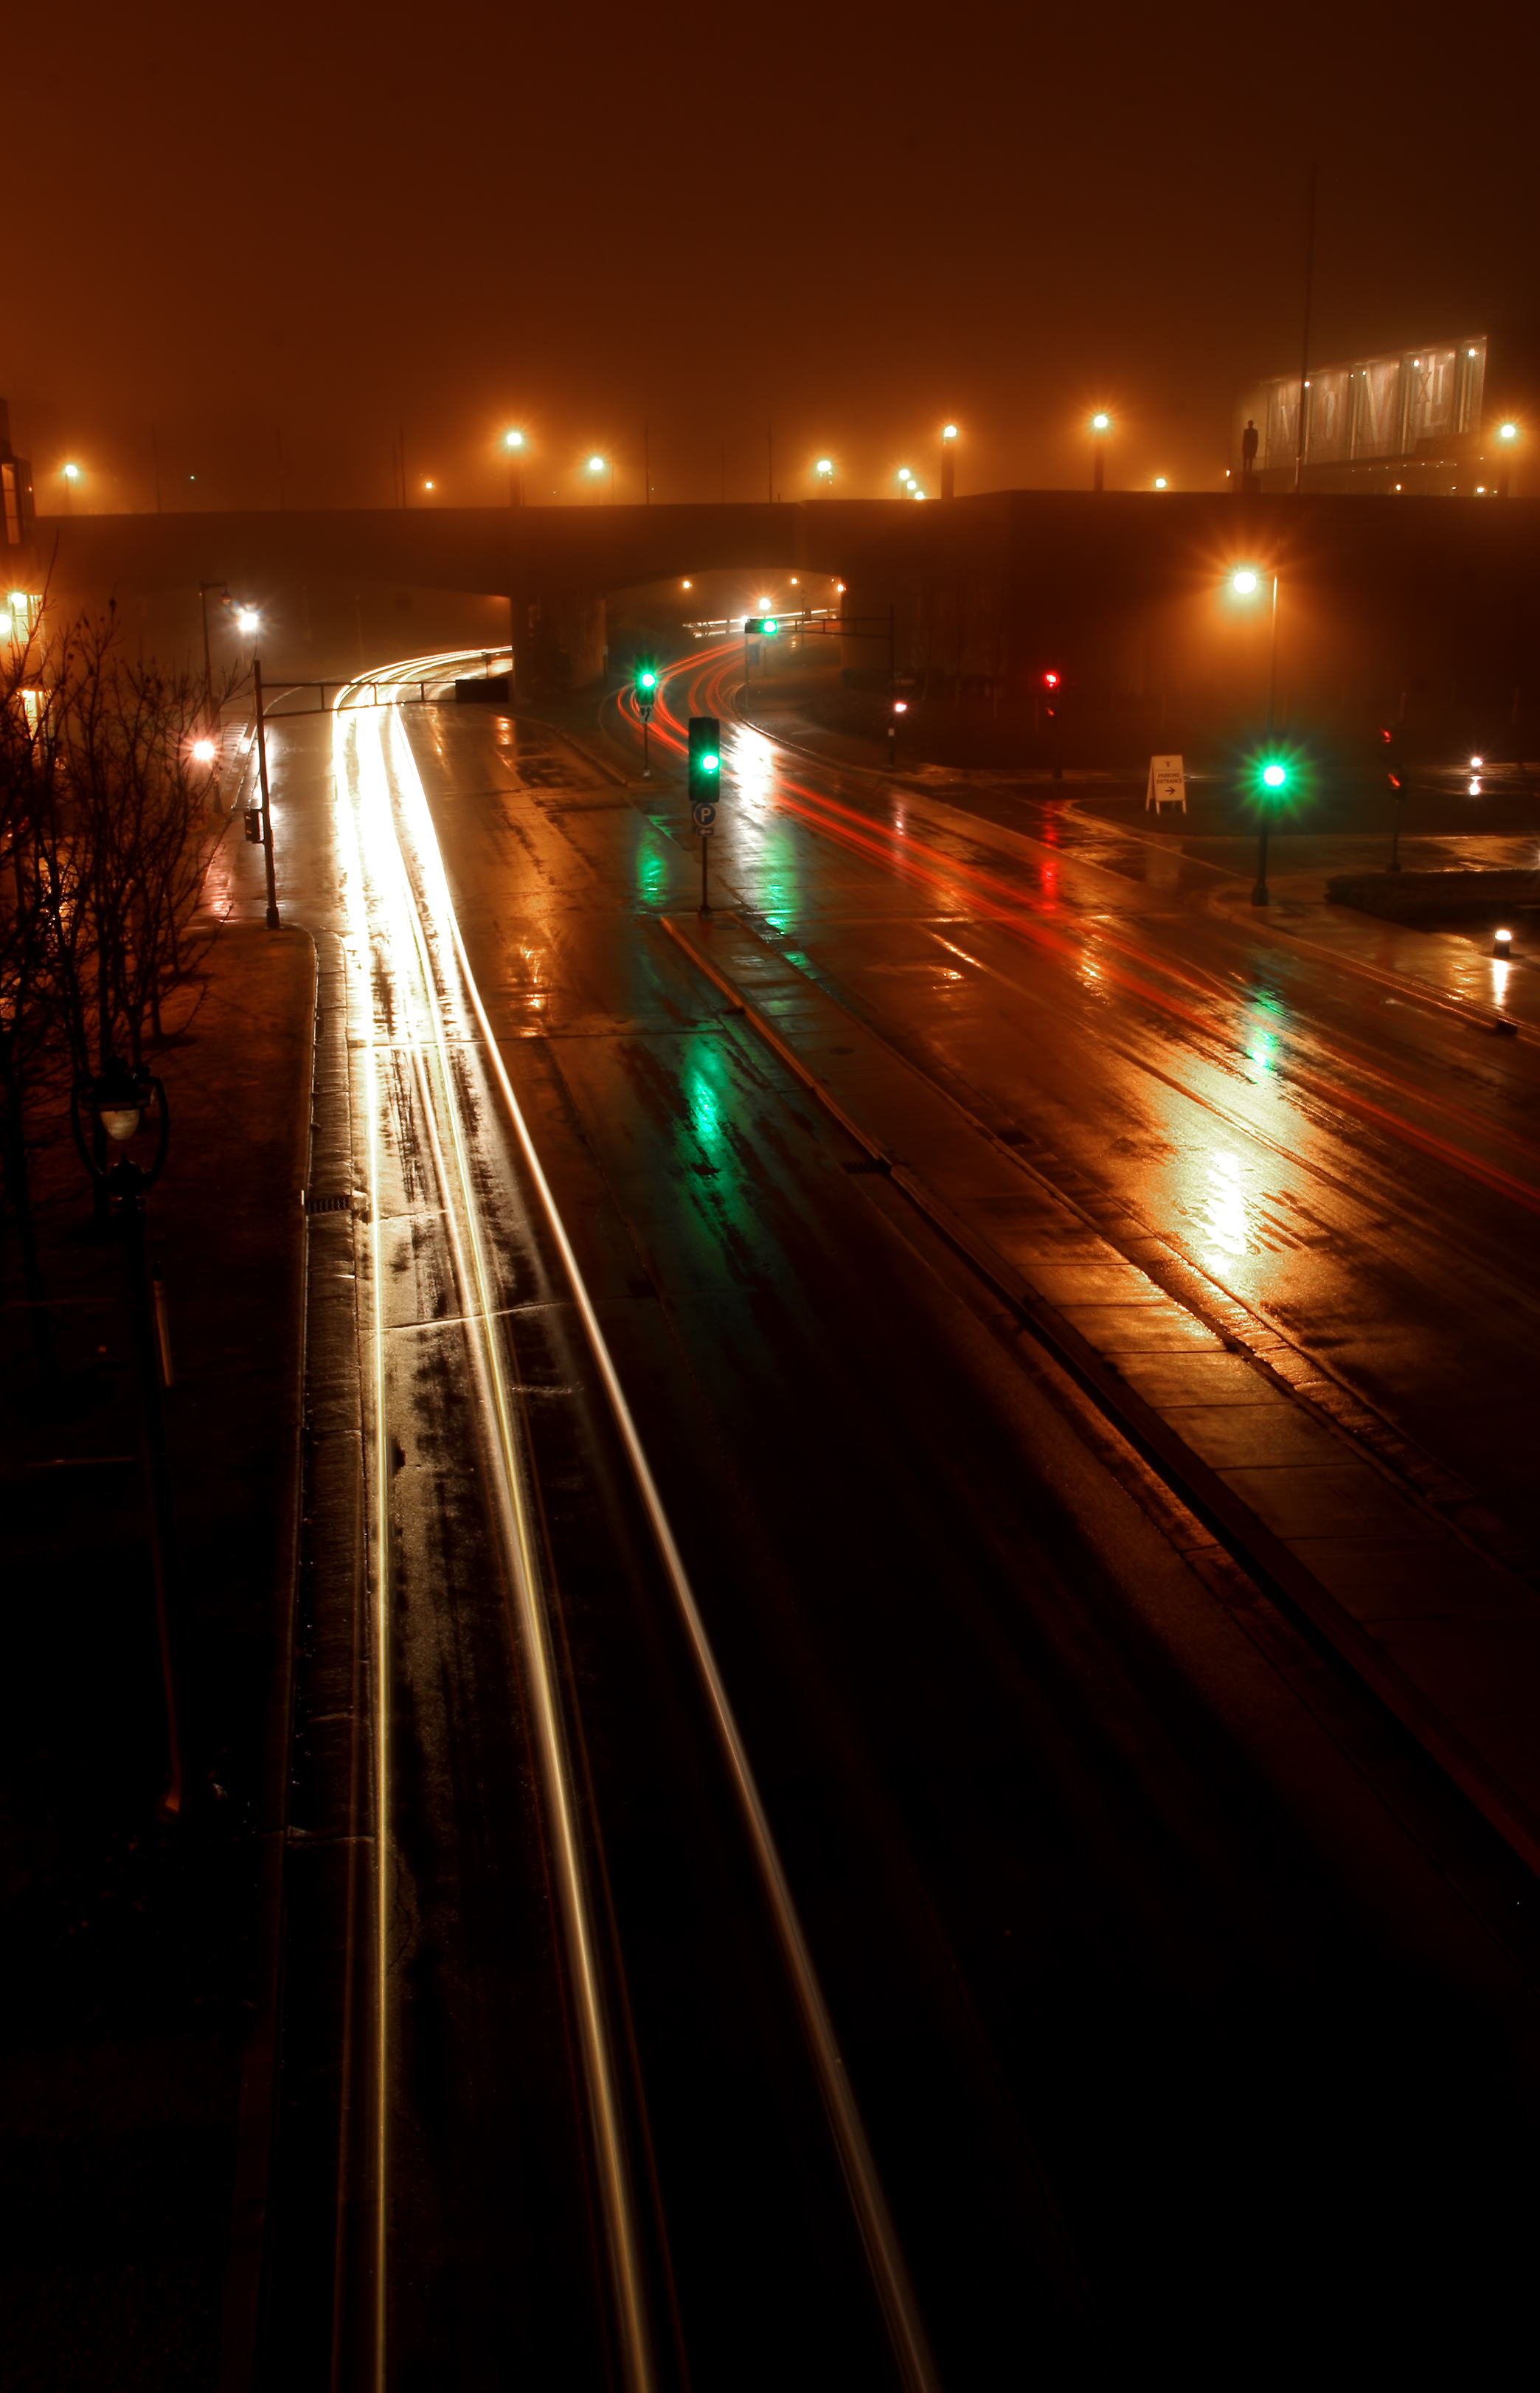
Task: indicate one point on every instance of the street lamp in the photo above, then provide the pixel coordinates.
(1507, 434)
(247, 621)
(71, 476)
(117, 1101)
(513, 443)
(1101, 425)
(596, 465)
(949, 460)
(825, 470)
(1246, 582)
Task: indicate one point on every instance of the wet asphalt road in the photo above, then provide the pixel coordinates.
(1192, 2016)
(1359, 1172)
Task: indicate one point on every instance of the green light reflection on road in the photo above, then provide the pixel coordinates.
(652, 873)
(706, 1148)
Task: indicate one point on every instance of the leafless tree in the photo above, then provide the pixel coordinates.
(105, 843)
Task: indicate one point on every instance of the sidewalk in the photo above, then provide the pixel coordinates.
(1443, 967)
(131, 1981)
(1449, 1640)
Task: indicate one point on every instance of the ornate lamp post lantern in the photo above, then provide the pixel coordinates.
(118, 1103)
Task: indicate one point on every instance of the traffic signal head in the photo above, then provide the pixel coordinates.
(705, 757)
(1274, 777)
(644, 679)
(756, 624)
(1050, 681)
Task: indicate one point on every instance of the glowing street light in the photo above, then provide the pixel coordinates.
(204, 752)
(1508, 435)
(824, 472)
(598, 464)
(249, 623)
(1101, 425)
(595, 464)
(1244, 583)
(1160, 481)
(513, 443)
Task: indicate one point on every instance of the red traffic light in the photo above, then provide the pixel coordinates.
(1050, 681)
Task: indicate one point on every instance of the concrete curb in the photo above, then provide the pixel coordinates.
(1157, 1435)
(1226, 904)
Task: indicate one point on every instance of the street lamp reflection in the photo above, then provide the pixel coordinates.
(1224, 1208)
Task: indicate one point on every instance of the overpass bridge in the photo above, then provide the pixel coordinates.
(1121, 592)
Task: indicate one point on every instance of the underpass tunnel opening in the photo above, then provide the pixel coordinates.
(670, 621)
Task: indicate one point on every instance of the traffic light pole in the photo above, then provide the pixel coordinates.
(266, 802)
(1259, 893)
(705, 852)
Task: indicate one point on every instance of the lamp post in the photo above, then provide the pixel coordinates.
(1246, 582)
(949, 460)
(1101, 425)
(71, 476)
(596, 465)
(1507, 440)
(118, 1099)
(513, 443)
(825, 470)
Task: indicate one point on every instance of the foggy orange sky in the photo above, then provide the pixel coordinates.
(250, 248)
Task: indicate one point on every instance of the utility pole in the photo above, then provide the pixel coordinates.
(203, 589)
(1304, 344)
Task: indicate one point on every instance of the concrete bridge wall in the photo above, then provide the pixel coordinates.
(1123, 593)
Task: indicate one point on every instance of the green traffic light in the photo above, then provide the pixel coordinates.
(647, 680)
(771, 626)
(1274, 775)
(710, 763)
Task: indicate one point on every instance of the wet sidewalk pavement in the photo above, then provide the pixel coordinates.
(1445, 1636)
(133, 1970)
(1448, 967)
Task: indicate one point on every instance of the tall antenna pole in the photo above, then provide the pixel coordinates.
(1304, 346)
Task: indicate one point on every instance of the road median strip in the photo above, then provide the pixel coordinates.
(1445, 1637)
